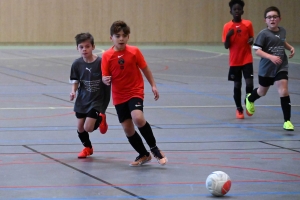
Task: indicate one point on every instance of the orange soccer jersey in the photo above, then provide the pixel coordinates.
(124, 69)
(239, 50)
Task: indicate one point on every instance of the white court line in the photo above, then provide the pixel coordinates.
(147, 107)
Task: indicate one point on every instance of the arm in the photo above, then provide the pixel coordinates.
(148, 74)
(227, 40)
(73, 91)
(274, 59)
(290, 48)
(106, 97)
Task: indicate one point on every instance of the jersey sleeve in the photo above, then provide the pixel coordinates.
(225, 31)
(141, 62)
(74, 76)
(259, 41)
(105, 65)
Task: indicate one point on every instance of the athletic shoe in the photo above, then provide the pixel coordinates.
(140, 160)
(103, 125)
(86, 151)
(239, 113)
(288, 126)
(158, 154)
(250, 109)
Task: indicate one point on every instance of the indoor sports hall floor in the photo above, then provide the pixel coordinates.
(193, 121)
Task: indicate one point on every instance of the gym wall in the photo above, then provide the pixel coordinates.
(151, 21)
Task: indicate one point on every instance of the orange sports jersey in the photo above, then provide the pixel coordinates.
(124, 68)
(239, 50)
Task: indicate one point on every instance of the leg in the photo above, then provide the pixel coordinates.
(282, 87)
(146, 131)
(83, 136)
(235, 74)
(136, 142)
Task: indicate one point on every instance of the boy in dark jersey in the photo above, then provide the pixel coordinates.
(238, 37)
(121, 66)
(92, 95)
(270, 45)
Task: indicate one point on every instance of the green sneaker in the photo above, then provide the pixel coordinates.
(250, 109)
(288, 126)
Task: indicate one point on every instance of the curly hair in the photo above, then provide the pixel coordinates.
(233, 2)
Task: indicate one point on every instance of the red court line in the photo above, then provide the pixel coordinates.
(148, 184)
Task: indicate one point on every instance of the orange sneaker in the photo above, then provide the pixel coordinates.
(239, 114)
(159, 155)
(103, 125)
(86, 151)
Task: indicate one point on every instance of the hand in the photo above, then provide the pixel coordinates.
(250, 41)
(276, 60)
(72, 96)
(106, 80)
(230, 33)
(292, 50)
(155, 92)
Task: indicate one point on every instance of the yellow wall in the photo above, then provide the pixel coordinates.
(151, 21)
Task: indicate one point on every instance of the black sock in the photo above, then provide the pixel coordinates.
(254, 96)
(137, 143)
(147, 133)
(85, 139)
(286, 107)
(249, 89)
(237, 93)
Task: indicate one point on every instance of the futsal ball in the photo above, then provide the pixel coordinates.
(218, 183)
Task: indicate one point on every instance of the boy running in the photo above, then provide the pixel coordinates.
(270, 45)
(238, 37)
(121, 66)
(92, 95)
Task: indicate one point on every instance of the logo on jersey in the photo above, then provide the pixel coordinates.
(88, 69)
(121, 62)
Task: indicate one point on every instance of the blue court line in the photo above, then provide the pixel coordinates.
(173, 196)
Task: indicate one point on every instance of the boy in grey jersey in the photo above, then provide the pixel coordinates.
(93, 95)
(270, 45)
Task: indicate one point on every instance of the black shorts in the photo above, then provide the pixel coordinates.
(267, 81)
(124, 109)
(92, 114)
(235, 73)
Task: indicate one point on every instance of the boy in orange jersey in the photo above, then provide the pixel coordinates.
(238, 37)
(121, 66)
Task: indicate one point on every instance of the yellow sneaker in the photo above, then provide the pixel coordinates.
(288, 126)
(250, 108)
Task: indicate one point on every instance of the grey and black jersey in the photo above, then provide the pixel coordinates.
(92, 92)
(272, 43)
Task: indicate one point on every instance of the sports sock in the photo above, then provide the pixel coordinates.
(249, 89)
(254, 96)
(147, 133)
(286, 107)
(137, 143)
(237, 93)
(85, 139)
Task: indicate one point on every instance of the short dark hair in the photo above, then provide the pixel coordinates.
(233, 2)
(118, 26)
(82, 37)
(271, 8)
